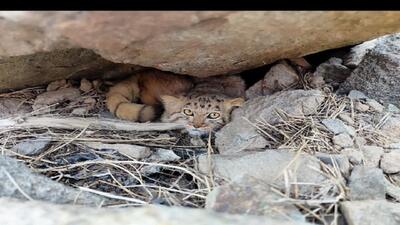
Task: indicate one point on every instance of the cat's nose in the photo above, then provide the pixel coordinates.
(198, 125)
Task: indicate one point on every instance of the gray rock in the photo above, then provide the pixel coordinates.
(378, 74)
(341, 161)
(390, 162)
(333, 71)
(371, 212)
(16, 177)
(268, 166)
(376, 106)
(58, 84)
(255, 90)
(51, 40)
(392, 108)
(51, 97)
(367, 183)
(150, 169)
(39, 213)
(361, 106)
(360, 141)
(252, 197)
(81, 111)
(357, 53)
(391, 128)
(164, 155)
(343, 140)
(355, 156)
(338, 127)
(372, 155)
(345, 117)
(86, 85)
(356, 95)
(239, 134)
(281, 76)
(11, 107)
(31, 146)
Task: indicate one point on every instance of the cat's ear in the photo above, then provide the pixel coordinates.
(171, 103)
(233, 102)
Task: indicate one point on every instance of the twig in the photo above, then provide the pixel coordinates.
(16, 184)
(108, 195)
(80, 123)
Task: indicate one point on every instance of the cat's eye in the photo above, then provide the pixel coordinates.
(188, 112)
(214, 115)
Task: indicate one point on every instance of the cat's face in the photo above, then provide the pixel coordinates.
(199, 113)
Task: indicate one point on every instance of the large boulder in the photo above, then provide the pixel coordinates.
(196, 43)
(378, 73)
(283, 169)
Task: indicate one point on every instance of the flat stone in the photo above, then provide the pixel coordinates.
(390, 162)
(240, 134)
(372, 155)
(251, 196)
(337, 126)
(356, 95)
(361, 106)
(81, 111)
(34, 211)
(346, 118)
(371, 212)
(343, 140)
(164, 155)
(391, 128)
(376, 106)
(367, 183)
(38, 187)
(31, 146)
(267, 166)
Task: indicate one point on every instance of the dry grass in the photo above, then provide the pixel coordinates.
(114, 175)
(125, 181)
(291, 131)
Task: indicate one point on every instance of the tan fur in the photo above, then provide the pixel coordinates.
(138, 97)
(145, 87)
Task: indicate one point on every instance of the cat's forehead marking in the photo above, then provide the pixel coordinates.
(204, 102)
